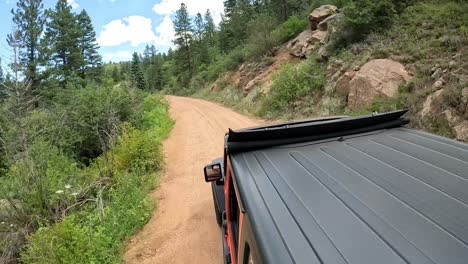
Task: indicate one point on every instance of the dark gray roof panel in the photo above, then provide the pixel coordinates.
(391, 196)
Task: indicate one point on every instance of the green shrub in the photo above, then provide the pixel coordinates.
(137, 150)
(290, 28)
(292, 82)
(109, 207)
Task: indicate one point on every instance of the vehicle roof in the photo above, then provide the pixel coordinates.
(387, 196)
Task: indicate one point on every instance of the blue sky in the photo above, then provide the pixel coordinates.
(122, 26)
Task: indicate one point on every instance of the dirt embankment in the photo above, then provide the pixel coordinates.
(183, 228)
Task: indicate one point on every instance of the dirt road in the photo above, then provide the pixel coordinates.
(183, 228)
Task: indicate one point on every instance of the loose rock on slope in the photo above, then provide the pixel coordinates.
(377, 78)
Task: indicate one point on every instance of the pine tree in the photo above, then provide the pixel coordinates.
(229, 6)
(62, 39)
(92, 61)
(147, 56)
(209, 29)
(29, 20)
(2, 77)
(138, 78)
(199, 27)
(183, 33)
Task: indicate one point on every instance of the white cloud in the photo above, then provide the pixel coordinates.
(117, 56)
(133, 29)
(169, 7)
(73, 4)
(165, 32)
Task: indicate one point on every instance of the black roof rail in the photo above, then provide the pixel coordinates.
(310, 130)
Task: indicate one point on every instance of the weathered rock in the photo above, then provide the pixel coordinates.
(430, 106)
(342, 84)
(320, 13)
(377, 78)
(317, 36)
(334, 33)
(304, 43)
(323, 26)
(452, 64)
(439, 83)
(437, 73)
(215, 88)
(461, 131)
(452, 118)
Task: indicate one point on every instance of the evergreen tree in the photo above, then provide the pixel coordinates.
(92, 61)
(138, 78)
(209, 29)
(199, 27)
(62, 39)
(29, 20)
(2, 77)
(183, 33)
(147, 56)
(229, 6)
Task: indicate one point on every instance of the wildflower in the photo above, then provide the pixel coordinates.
(68, 186)
(59, 192)
(74, 194)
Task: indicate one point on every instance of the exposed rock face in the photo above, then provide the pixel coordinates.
(456, 120)
(300, 46)
(461, 131)
(333, 27)
(304, 43)
(430, 105)
(377, 78)
(323, 26)
(342, 84)
(319, 14)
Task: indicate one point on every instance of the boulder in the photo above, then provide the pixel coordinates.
(461, 131)
(323, 26)
(304, 43)
(317, 36)
(320, 13)
(342, 84)
(335, 32)
(431, 103)
(377, 78)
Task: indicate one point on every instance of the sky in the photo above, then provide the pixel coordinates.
(122, 26)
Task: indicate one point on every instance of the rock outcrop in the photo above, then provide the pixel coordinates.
(320, 14)
(311, 39)
(377, 78)
(433, 106)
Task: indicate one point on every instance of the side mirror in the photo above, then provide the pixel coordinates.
(213, 172)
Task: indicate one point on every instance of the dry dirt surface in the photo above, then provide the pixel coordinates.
(183, 228)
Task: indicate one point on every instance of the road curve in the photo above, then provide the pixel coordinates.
(183, 228)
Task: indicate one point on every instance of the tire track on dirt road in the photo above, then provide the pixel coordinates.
(183, 228)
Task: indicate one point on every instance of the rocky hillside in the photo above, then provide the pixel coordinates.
(420, 63)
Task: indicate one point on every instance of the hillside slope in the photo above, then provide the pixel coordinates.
(420, 63)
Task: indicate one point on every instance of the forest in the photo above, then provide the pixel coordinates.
(79, 150)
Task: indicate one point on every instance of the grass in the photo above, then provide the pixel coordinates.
(97, 232)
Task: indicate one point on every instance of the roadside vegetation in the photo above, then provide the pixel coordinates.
(428, 37)
(80, 148)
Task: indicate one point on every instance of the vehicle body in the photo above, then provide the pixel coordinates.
(341, 190)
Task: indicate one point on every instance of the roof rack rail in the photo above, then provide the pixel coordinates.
(310, 130)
